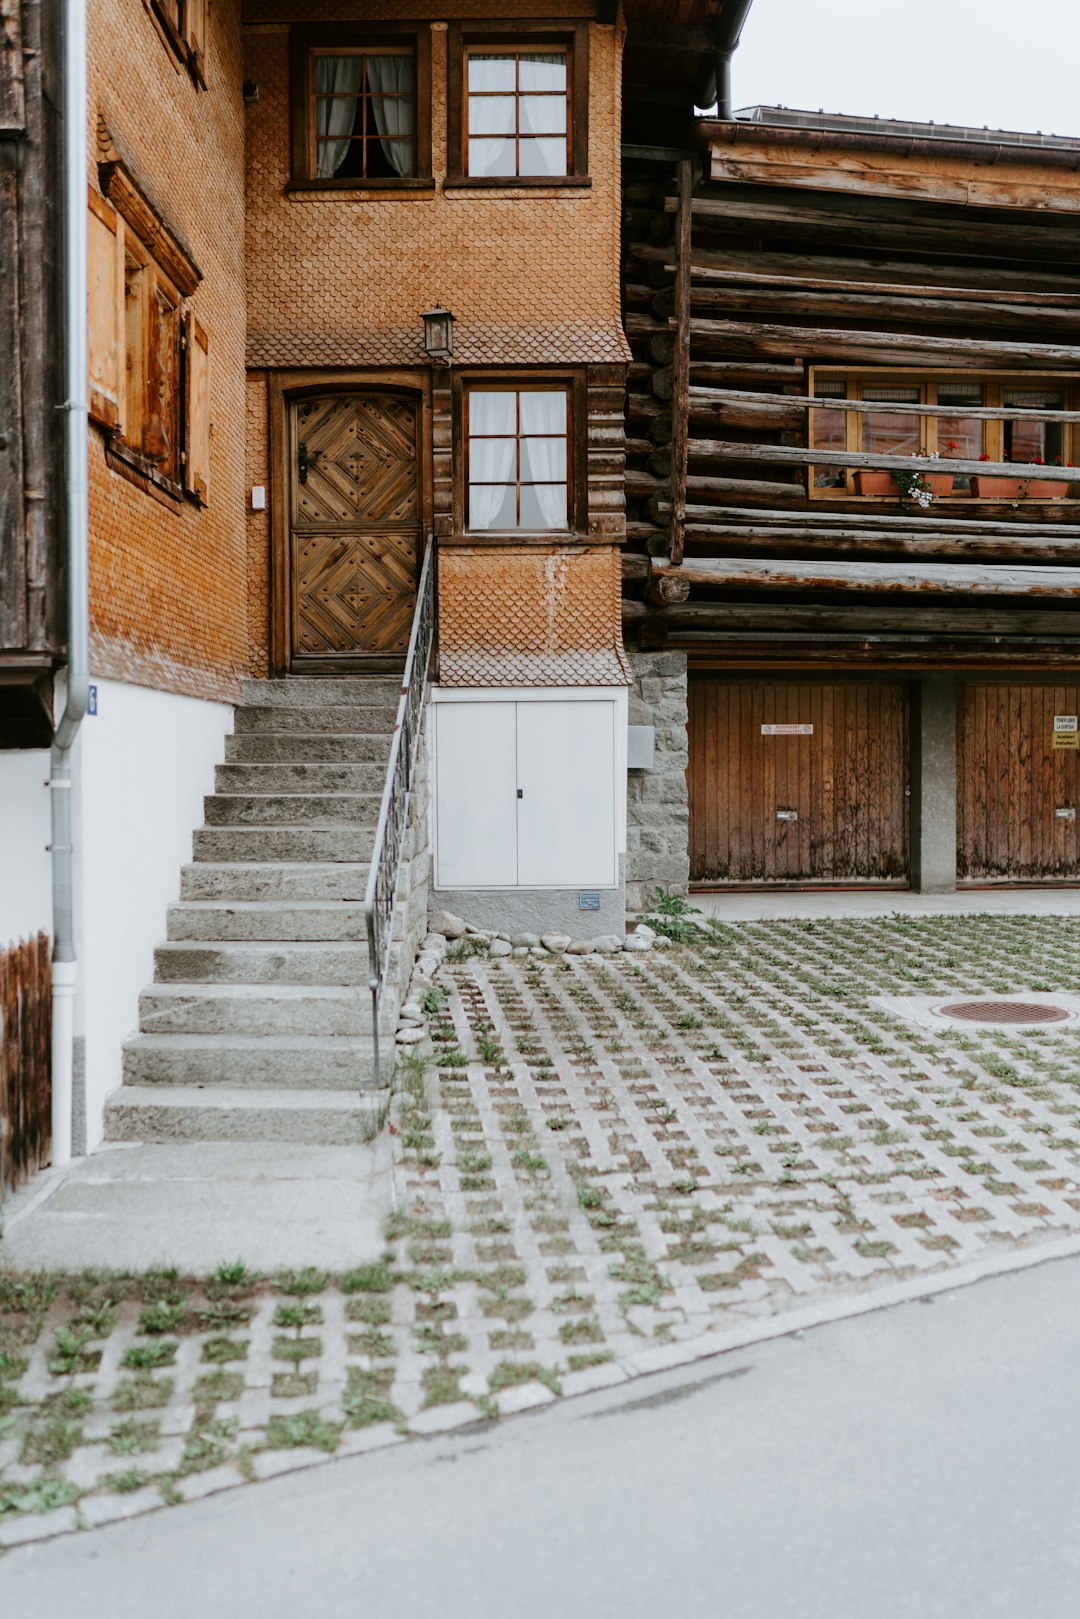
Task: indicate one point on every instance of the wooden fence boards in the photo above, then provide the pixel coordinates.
(25, 1061)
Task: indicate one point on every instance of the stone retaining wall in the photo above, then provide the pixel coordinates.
(657, 815)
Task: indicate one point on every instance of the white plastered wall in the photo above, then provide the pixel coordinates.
(145, 761)
(25, 876)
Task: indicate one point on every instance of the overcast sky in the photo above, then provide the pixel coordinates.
(1012, 64)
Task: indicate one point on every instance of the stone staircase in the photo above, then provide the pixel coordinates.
(257, 1026)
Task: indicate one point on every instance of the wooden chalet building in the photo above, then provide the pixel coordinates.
(853, 467)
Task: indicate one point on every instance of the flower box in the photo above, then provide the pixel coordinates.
(884, 483)
(994, 487)
(1047, 488)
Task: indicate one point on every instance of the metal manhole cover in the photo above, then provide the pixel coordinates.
(1003, 1012)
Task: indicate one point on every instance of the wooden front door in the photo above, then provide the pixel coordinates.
(800, 782)
(1018, 792)
(354, 530)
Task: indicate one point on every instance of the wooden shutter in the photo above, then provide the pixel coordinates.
(105, 265)
(196, 411)
(195, 36)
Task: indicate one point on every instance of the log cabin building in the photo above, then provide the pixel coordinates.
(853, 467)
(407, 322)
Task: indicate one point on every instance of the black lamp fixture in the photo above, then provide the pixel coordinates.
(439, 335)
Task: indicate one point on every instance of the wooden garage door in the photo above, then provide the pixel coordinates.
(827, 802)
(1017, 793)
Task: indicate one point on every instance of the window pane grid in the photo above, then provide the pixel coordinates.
(364, 114)
(517, 113)
(513, 496)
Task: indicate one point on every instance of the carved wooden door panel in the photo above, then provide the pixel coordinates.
(354, 529)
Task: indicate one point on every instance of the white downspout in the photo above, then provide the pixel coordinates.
(65, 967)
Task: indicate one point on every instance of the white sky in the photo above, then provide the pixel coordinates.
(1011, 64)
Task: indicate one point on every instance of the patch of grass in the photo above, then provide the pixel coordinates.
(43, 1495)
(71, 1353)
(304, 1428)
(379, 1345)
(297, 1349)
(233, 1273)
(150, 1357)
(454, 1058)
(142, 1393)
(127, 1482)
(300, 1283)
(510, 1374)
(217, 1351)
(161, 1317)
(440, 1384)
(212, 1388)
(12, 1366)
(373, 1310)
(294, 1385)
(367, 1400)
(586, 1330)
(221, 1317)
(208, 1444)
(582, 1363)
(531, 1161)
(465, 948)
(375, 1278)
(133, 1438)
(298, 1315)
(51, 1441)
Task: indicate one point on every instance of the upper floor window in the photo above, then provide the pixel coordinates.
(518, 106)
(182, 24)
(518, 458)
(361, 106)
(939, 419)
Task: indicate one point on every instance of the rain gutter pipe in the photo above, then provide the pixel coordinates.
(716, 86)
(75, 409)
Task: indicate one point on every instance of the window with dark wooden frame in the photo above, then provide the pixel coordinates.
(361, 107)
(518, 458)
(518, 105)
(182, 25)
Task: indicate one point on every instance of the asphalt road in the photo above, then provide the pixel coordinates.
(922, 1461)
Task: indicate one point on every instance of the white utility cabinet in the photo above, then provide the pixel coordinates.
(525, 794)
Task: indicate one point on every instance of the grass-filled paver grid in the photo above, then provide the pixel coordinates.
(600, 1155)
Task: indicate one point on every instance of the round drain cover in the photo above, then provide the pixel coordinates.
(1004, 1012)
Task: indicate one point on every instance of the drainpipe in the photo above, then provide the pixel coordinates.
(716, 85)
(65, 967)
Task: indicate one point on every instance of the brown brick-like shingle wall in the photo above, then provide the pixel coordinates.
(337, 278)
(169, 587)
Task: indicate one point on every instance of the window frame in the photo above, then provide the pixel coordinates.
(307, 41)
(572, 37)
(572, 383)
(994, 385)
(182, 26)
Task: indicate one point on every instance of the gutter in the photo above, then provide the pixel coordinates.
(726, 129)
(715, 85)
(75, 408)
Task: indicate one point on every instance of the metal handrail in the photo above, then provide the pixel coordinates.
(394, 809)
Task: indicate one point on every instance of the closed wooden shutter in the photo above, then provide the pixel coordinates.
(197, 412)
(105, 267)
(195, 36)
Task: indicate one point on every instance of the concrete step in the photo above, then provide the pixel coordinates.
(291, 809)
(229, 1113)
(364, 719)
(222, 961)
(347, 747)
(321, 691)
(255, 1009)
(290, 843)
(299, 777)
(251, 880)
(278, 1062)
(297, 919)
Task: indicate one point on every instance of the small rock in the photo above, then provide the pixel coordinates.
(555, 942)
(634, 941)
(519, 950)
(473, 932)
(446, 922)
(410, 1037)
(661, 942)
(478, 937)
(501, 947)
(421, 983)
(505, 937)
(434, 941)
(526, 940)
(412, 1012)
(607, 944)
(580, 947)
(644, 931)
(537, 950)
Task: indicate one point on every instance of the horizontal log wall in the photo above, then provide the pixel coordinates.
(780, 279)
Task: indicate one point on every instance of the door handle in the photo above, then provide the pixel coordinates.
(304, 460)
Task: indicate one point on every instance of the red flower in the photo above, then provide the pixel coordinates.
(984, 457)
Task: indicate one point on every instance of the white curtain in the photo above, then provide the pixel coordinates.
(491, 470)
(337, 82)
(390, 80)
(544, 459)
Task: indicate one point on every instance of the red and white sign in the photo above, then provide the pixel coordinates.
(787, 730)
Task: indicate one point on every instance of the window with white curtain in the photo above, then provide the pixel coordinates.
(365, 114)
(518, 455)
(517, 112)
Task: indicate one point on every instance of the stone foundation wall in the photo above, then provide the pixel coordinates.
(657, 814)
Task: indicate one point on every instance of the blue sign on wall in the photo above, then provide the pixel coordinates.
(588, 902)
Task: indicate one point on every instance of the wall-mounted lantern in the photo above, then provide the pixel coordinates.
(439, 335)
